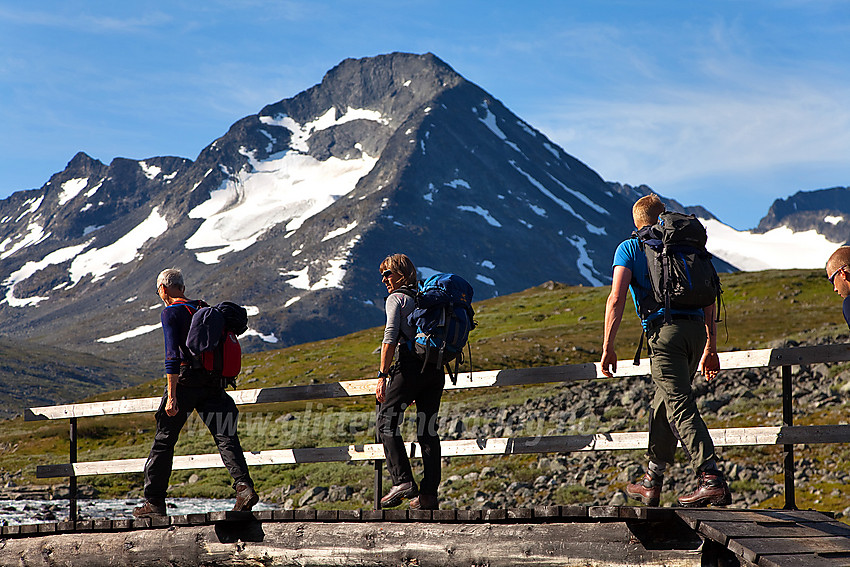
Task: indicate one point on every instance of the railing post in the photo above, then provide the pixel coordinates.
(379, 463)
(72, 480)
(788, 450)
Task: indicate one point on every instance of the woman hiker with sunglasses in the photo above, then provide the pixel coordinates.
(402, 383)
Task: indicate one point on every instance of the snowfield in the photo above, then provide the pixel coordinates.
(778, 249)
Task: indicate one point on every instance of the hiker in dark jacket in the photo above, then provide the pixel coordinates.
(676, 350)
(838, 272)
(189, 388)
(402, 383)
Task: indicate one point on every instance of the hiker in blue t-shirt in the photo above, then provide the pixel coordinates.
(676, 349)
(189, 388)
(837, 271)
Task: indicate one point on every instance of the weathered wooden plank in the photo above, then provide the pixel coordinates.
(481, 379)
(752, 549)
(832, 528)
(694, 515)
(743, 436)
(810, 560)
(469, 516)
(420, 515)
(719, 530)
(444, 515)
(364, 544)
(645, 513)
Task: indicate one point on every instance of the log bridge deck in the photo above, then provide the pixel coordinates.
(547, 535)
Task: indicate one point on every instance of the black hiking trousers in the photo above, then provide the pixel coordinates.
(408, 383)
(218, 412)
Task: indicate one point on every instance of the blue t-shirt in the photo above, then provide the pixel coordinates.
(629, 254)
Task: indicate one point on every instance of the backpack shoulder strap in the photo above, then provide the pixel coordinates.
(405, 291)
(189, 306)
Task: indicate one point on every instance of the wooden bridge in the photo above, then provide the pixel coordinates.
(557, 533)
(547, 535)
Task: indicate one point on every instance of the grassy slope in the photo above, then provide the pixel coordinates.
(36, 375)
(547, 325)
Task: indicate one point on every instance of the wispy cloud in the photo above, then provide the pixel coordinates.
(84, 22)
(676, 136)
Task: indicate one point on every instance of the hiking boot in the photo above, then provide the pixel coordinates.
(711, 489)
(398, 493)
(245, 497)
(425, 502)
(150, 510)
(647, 489)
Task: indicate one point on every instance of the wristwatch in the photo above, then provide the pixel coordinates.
(382, 374)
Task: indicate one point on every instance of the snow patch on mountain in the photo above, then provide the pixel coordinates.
(34, 235)
(563, 204)
(266, 338)
(71, 189)
(301, 132)
(833, 219)
(333, 276)
(30, 206)
(455, 183)
(98, 262)
(30, 268)
(288, 188)
(339, 231)
(777, 249)
(92, 191)
(479, 210)
(584, 262)
(150, 171)
(137, 332)
(580, 196)
(489, 120)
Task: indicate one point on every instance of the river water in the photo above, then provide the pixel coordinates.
(14, 512)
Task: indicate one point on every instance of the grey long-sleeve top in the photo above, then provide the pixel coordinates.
(398, 307)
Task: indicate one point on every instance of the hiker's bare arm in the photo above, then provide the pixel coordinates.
(710, 363)
(387, 353)
(613, 316)
(171, 399)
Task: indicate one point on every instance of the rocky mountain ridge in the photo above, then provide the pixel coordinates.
(292, 209)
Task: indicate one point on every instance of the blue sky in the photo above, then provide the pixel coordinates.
(728, 104)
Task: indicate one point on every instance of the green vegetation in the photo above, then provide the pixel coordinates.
(548, 325)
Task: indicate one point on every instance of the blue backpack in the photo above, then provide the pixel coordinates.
(443, 319)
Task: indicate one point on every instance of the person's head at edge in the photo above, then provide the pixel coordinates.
(646, 210)
(169, 285)
(397, 270)
(837, 268)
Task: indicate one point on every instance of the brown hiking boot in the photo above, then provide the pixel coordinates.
(647, 489)
(425, 502)
(150, 509)
(398, 493)
(711, 489)
(245, 497)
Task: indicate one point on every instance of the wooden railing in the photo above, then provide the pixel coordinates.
(785, 434)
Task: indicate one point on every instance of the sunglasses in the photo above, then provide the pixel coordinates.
(835, 273)
(386, 274)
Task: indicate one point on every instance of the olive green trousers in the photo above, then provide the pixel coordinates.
(675, 351)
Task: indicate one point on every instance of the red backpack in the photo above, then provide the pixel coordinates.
(213, 341)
